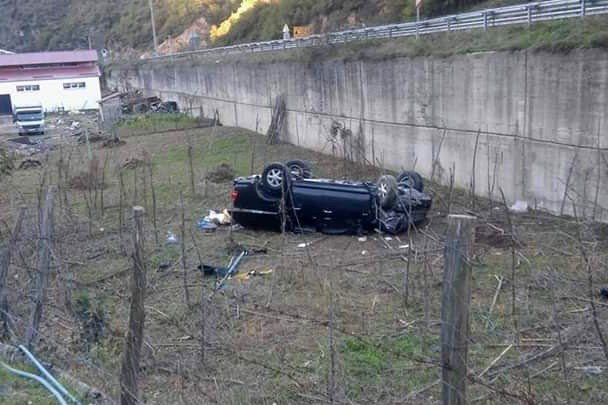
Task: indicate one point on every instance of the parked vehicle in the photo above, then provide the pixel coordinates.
(29, 120)
(285, 196)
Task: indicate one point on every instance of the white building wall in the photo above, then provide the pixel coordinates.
(52, 95)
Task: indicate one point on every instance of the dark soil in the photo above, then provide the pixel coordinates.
(224, 172)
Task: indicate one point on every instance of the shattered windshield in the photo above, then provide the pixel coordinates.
(29, 116)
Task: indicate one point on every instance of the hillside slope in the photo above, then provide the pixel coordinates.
(32, 25)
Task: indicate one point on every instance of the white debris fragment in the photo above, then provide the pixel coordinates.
(303, 245)
(388, 238)
(592, 370)
(519, 207)
(404, 246)
(362, 239)
(364, 252)
(171, 238)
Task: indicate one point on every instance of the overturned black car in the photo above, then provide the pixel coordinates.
(286, 196)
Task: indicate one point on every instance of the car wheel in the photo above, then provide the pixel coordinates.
(299, 169)
(387, 191)
(140, 108)
(411, 179)
(274, 178)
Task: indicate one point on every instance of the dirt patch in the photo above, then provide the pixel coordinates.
(84, 181)
(133, 163)
(6, 163)
(224, 172)
(92, 138)
(113, 143)
(22, 140)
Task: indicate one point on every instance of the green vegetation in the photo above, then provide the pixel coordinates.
(92, 313)
(29, 25)
(264, 22)
(19, 390)
(368, 363)
(555, 36)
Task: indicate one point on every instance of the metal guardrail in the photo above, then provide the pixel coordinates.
(527, 13)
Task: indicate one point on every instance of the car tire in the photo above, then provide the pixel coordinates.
(275, 179)
(299, 169)
(140, 108)
(411, 179)
(387, 191)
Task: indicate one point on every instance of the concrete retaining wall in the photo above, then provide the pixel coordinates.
(535, 117)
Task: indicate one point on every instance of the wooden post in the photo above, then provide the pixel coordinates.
(184, 258)
(134, 339)
(203, 325)
(154, 215)
(121, 195)
(191, 167)
(455, 308)
(44, 259)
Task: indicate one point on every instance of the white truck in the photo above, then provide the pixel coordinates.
(29, 120)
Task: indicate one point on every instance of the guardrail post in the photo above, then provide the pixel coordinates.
(485, 20)
(449, 25)
(417, 19)
(390, 32)
(582, 8)
(530, 15)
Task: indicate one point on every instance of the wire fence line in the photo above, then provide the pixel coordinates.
(527, 13)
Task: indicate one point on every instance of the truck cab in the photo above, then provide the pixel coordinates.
(29, 120)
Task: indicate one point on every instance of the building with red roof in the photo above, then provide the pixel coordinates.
(59, 81)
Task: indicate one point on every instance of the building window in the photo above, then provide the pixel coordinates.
(74, 85)
(28, 87)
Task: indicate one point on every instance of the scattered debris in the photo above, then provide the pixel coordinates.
(519, 207)
(218, 218)
(207, 226)
(362, 239)
(303, 245)
(404, 246)
(232, 269)
(363, 252)
(224, 172)
(30, 164)
(135, 102)
(252, 273)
